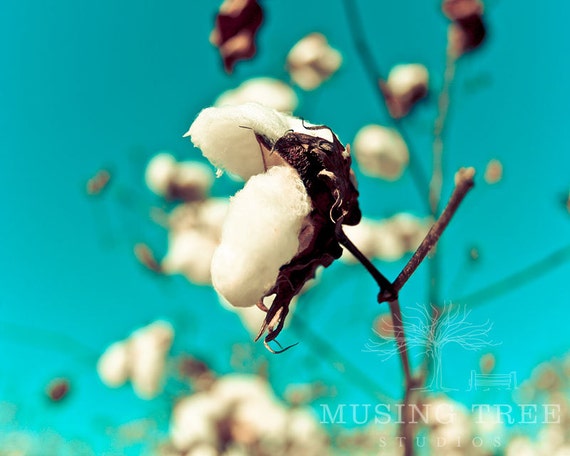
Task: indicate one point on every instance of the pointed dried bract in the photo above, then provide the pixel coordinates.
(236, 24)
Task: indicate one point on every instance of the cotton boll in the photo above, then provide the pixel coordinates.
(303, 427)
(194, 420)
(113, 365)
(261, 234)
(381, 152)
(226, 136)
(159, 172)
(212, 216)
(265, 91)
(259, 419)
(406, 85)
(311, 61)
(238, 387)
(405, 79)
(191, 181)
(363, 236)
(148, 347)
(190, 253)
(388, 246)
(203, 450)
(521, 446)
(410, 229)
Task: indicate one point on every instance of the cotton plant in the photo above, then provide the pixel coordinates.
(287, 220)
(140, 358)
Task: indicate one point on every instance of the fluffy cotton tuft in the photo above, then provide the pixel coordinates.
(268, 92)
(226, 136)
(381, 152)
(261, 234)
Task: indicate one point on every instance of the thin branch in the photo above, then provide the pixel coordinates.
(517, 279)
(439, 128)
(380, 279)
(401, 340)
(463, 183)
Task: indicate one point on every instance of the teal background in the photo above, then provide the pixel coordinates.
(86, 85)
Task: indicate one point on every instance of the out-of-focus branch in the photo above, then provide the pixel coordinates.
(374, 74)
(325, 348)
(517, 279)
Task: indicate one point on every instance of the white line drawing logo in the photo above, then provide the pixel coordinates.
(428, 330)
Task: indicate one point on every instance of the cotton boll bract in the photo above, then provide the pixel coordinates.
(311, 61)
(381, 152)
(269, 92)
(226, 136)
(261, 233)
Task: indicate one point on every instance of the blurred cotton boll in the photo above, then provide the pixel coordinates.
(268, 92)
(148, 347)
(311, 61)
(226, 136)
(381, 152)
(187, 181)
(113, 365)
(261, 234)
(406, 85)
(388, 239)
(190, 254)
(140, 358)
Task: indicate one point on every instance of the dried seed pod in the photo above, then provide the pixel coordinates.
(237, 23)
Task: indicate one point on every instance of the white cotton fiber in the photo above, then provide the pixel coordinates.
(226, 136)
(403, 79)
(260, 235)
(269, 92)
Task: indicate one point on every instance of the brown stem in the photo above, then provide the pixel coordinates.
(401, 340)
(463, 183)
(439, 126)
(381, 280)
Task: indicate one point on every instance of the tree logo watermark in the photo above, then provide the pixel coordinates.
(428, 330)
